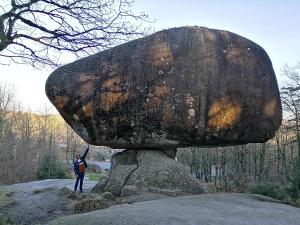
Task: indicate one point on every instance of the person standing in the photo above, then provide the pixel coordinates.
(79, 168)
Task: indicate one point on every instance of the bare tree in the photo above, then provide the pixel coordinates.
(7, 102)
(73, 142)
(39, 31)
(290, 97)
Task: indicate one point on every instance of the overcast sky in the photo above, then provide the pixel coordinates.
(273, 24)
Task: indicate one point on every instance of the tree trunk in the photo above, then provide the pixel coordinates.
(261, 162)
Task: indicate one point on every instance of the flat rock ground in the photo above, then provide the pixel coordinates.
(207, 209)
(30, 208)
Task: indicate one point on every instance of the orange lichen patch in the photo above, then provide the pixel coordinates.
(86, 86)
(225, 35)
(210, 36)
(60, 101)
(233, 55)
(110, 99)
(161, 91)
(223, 114)
(112, 84)
(88, 109)
(155, 99)
(270, 108)
(85, 77)
(159, 54)
(113, 92)
(153, 102)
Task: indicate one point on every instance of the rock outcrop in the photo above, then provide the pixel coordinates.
(156, 169)
(178, 87)
(138, 170)
(212, 209)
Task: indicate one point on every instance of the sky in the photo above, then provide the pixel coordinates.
(273, 24)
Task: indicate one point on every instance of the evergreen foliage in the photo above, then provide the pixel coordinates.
(51, 168)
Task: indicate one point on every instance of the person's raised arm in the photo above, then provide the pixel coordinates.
(86, 152)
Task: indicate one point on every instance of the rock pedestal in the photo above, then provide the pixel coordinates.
(143, 169)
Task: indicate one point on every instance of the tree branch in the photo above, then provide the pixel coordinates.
(80, 27)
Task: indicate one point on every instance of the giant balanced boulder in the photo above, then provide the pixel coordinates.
(188, 86)
(178, 87)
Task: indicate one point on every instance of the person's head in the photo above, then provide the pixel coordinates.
(77, 155)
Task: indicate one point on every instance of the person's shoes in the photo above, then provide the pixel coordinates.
(81, 191)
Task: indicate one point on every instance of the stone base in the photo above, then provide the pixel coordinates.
(150, 169)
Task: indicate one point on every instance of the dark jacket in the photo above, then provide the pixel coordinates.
(82, 158)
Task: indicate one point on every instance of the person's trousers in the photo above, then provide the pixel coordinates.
(79, 178)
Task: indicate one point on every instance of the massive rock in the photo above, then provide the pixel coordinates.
(178, 87)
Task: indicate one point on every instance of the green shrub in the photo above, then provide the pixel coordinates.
(92, 168)
(95, 176)
(51, 168)
(5, 221)
(270, 190)
(6, 197)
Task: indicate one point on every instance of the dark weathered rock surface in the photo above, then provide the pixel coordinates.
(99, 187)
(128, 190)
(156, 169)
(118, 178)
(108, 196)
(178, 87)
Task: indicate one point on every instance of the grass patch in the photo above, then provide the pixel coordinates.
(52, 168)
(5, 221)
(95, 176)
(6, 197)
(269, 190)
(37, 191)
